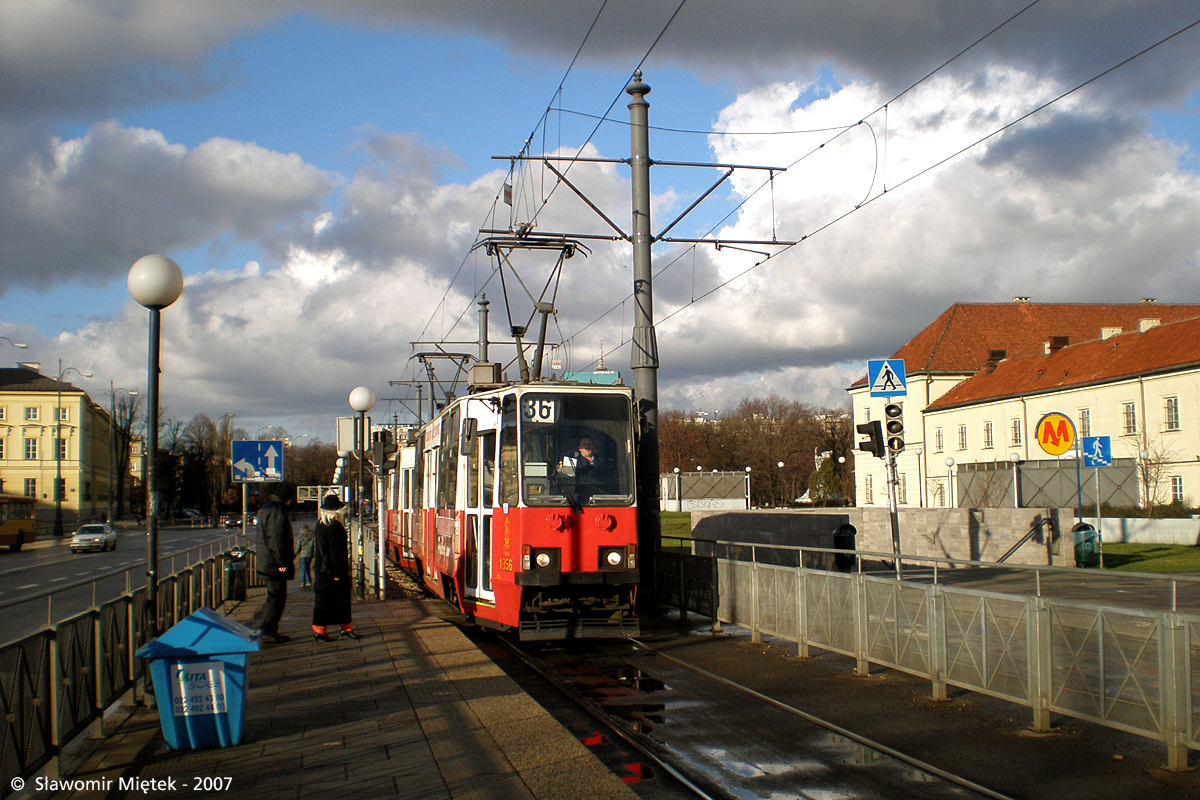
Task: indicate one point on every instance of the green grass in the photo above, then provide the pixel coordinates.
(1152, 557)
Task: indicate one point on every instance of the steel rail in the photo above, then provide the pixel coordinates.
(605, 719)
(912, 761)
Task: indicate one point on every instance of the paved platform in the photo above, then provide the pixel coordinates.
(411, 710)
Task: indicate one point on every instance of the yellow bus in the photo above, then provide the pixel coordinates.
(17, 524)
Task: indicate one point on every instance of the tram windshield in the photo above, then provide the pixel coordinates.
(576, 448)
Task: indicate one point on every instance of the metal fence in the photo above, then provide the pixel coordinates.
(57, 682)
(1123, 668)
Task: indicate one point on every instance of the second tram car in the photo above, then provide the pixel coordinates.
(518, 505)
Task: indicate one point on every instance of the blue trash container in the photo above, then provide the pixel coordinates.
(200, 679)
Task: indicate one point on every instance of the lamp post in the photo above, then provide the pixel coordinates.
(920, 451)
(155, 282)
(1015, 458)
(58, 448)
(18, 345)
(362, 400)
(112, 443)
(951, 499)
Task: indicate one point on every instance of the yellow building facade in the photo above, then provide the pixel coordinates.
(50, 428)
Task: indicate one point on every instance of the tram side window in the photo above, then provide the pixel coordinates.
(448, 465)
(487, 446)
(508, 453)
(473, 477)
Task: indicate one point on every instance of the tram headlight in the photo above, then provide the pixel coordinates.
(624, 557)
(543, 560)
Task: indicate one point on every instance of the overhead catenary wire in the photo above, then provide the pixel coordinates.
(951, 156)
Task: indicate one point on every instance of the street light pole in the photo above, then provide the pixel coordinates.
(154, 282)
(58, 448)
(362, 400)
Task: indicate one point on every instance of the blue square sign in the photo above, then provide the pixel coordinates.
(257, 461)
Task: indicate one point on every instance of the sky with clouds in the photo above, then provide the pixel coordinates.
(321, 170)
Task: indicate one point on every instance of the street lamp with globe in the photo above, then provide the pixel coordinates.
(155, 282)
(362, 400)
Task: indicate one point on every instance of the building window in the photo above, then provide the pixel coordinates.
(31, 413)
(1171, 413)
(1129, 418)
(61, 483)
(1, 449)
(31, 487)
(868, 490)
(62, 449)
(988, 436)
(939, 441)
(31, 449)
(1176, 488)
(866, 413)
(1085, 422)
(3, 414)
(962, 437)
(1015, 429)
(940, 495)
(64, 414)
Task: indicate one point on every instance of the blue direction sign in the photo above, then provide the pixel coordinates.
(1097, 451)
(887, 378)
(257, 461)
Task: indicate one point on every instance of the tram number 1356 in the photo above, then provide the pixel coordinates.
(539, 410)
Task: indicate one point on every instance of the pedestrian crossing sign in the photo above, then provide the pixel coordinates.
(887, 378)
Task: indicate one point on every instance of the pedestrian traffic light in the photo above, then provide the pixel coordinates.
(894, 414)
(874, 432)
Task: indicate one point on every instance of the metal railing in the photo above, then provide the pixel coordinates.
(57, 682)
(1124, 668)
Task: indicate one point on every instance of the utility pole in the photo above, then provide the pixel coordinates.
(645, 346)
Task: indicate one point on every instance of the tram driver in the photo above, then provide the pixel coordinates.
(593, 473)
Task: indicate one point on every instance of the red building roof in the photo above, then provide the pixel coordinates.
(962, 338)
(1159, 349)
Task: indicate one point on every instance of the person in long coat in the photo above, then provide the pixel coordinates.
(331, 572)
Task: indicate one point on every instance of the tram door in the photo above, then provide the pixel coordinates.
(481, 483)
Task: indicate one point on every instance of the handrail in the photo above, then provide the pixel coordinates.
(1032, 530)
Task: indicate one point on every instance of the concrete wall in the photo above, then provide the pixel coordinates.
(1118, 530)
(959, 533)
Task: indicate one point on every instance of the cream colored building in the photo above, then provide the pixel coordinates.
(47, 427)
(982, 376)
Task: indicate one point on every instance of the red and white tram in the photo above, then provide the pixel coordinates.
(499, 507)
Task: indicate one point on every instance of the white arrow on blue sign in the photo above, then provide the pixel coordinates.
(257, 461)
(1097, 451)
(887, 377)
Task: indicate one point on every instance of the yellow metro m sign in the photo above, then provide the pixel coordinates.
(1055, 433)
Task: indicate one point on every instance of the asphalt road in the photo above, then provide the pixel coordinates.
(49, 564)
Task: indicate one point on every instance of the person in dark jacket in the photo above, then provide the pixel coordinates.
(276, 564)
(331, 572)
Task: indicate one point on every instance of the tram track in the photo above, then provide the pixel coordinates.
(738, 775)
(864, 741)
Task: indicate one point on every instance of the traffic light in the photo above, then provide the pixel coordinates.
(874, 432)
(894, 414)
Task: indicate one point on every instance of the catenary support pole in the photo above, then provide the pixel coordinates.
(645, 347)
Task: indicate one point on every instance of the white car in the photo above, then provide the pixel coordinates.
(94, 536)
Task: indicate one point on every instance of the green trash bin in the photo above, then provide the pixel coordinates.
(1087, 545)
(236, 579)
